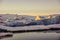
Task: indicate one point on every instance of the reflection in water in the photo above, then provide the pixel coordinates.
(35, 36)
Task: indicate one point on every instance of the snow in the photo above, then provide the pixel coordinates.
(55, 26)
(23, 28)
(29, 27)
(3, 34)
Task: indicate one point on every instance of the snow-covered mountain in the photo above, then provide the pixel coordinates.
(24, 22)
(11, 16)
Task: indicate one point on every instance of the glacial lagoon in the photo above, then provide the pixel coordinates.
(34, 36)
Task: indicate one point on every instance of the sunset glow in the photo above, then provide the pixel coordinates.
(30, 7)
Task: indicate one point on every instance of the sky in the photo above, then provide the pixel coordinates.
(30, 7)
